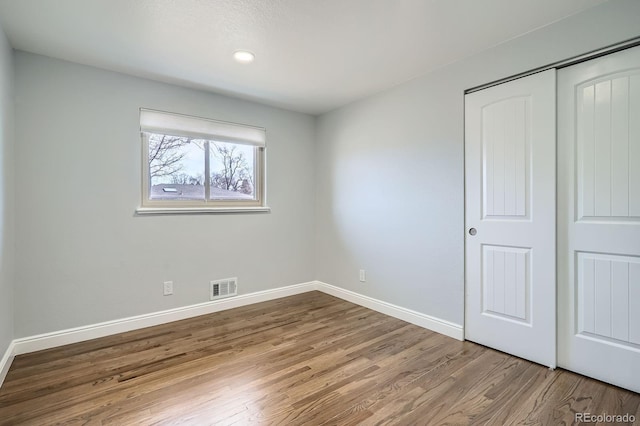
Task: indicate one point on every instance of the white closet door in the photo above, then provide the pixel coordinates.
(510, 213)
(599, 218)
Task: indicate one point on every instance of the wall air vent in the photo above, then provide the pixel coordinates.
(223, 288)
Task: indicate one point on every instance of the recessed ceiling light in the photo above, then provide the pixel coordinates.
(244, 56)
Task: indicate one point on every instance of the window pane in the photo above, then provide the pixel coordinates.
(232, 171)
(176, 168)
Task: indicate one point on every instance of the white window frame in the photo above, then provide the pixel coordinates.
(160, 122)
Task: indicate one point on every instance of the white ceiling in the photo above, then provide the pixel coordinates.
(311, 55)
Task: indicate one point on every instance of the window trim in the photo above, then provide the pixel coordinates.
(199, 210)
(149, 206)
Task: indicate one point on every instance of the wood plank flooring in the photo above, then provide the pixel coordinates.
(309, 359)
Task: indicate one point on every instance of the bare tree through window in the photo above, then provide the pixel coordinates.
(235, 174)
(166, 155)
(177, 168)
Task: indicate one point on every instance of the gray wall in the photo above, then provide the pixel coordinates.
(390, 190)
(83, 256)
(6, 194)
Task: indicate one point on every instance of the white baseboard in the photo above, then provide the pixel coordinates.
(425, 321)
(6, 361)
(80, 334)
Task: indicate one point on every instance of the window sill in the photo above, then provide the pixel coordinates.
(199, 210)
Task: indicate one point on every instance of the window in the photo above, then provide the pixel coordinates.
(193, 164)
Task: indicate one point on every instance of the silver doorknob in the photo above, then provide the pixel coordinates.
(473, 231)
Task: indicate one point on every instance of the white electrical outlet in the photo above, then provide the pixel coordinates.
(363, 277)
(168, 288)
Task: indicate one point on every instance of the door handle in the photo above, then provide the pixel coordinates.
(473, 231)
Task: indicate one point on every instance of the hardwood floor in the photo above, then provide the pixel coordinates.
(307, 359)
